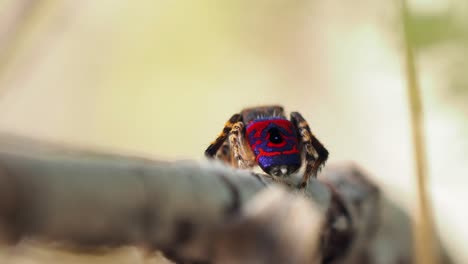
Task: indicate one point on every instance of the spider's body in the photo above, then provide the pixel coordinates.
(263, 136)
(274, 144)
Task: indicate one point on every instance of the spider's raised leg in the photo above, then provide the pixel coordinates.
(311, 146)
(213, 148)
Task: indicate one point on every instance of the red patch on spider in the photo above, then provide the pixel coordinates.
(274, 142)
(260, 133)
(259, 126)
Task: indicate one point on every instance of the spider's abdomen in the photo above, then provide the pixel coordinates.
(274, 143)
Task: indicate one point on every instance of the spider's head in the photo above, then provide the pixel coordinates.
(275, 145)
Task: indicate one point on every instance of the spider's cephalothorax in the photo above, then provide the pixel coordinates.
(263, 136)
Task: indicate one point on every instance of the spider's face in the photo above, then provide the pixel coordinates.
(275, 145)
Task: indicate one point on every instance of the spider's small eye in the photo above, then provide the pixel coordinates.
(275, 136)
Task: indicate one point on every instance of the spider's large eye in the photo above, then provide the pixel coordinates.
(275, 136)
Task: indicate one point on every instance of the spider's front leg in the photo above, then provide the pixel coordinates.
(213, 148)
(236, 144)
(315, 153)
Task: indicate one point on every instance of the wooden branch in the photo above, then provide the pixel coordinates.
(192, 211)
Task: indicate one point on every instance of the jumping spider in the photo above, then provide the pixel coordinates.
(274, 143)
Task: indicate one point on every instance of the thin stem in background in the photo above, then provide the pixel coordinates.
(424, 237)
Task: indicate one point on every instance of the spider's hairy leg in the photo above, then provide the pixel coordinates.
(236, 145)
(213, 148)
(224, 153)
(311, 147)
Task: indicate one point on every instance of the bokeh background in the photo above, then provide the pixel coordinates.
(160, 78)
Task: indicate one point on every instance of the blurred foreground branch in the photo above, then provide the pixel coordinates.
(193, 212)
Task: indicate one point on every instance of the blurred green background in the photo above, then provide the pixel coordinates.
(160, 78)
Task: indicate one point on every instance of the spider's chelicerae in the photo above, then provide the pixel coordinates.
(263, 136)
